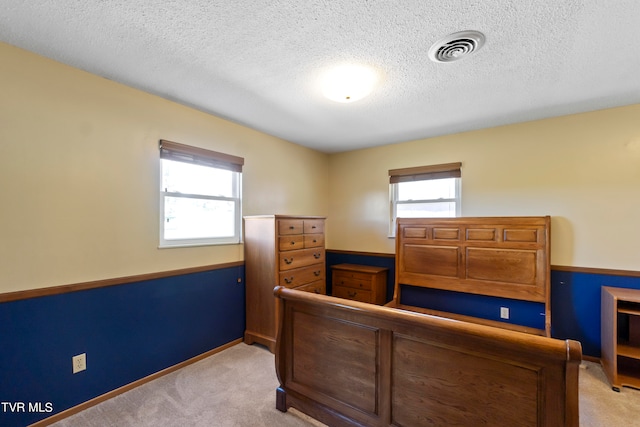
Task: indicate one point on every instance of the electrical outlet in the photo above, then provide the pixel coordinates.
(504, 312)
(79, 362)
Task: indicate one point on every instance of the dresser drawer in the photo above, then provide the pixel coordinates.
(289, 243)
(351, 280)
(314, 287)
(313, 240)
(290, 226)
(300, 258)
(352, 294)
(313, 226)
(301, 276)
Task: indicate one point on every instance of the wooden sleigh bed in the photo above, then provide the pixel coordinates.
(348, 363)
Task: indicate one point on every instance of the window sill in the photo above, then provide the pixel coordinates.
(193, 245)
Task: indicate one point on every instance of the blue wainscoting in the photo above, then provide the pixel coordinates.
(575, 300)
(575, 305)
(127, 331)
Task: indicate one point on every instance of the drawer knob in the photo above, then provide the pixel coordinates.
(313, 226)
(316, 290)
(293, 243)
(317, 256)
(317, 273)
(291, 227)
(288, 260)
(352, 294)
(288, 280)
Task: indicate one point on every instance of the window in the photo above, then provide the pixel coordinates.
(200, 196)
(424, 192)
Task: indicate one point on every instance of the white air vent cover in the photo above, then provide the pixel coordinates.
(456, 46)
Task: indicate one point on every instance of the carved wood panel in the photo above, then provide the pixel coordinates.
(347, 371)
(429, 381)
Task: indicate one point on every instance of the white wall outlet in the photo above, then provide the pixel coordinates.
(79, 362)
(504, 312)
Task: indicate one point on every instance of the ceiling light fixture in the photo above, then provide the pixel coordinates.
(456, 46)
(348, 83)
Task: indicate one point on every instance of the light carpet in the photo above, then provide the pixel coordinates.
(233, 388)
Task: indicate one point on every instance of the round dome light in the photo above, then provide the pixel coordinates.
(348, 83)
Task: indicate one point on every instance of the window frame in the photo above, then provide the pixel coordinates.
(422, 173)
(173, 151)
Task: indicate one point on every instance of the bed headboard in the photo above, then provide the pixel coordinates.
(505, 257)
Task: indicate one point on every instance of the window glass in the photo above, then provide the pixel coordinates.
(426, 210)
(180, 177)
(187, 218)
(430, 189)
(430, 198)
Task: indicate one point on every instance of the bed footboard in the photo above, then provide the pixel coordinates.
(347, 363)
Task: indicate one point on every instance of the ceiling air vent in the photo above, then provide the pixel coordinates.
(456, 46)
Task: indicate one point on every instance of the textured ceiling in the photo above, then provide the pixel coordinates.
(258, 62)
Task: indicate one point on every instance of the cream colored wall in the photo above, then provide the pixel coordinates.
(583, 170)
(79, 175)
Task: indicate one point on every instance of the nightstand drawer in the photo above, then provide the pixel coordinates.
(352, 294)
(343, 279)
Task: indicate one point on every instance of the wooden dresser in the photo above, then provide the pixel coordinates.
(362, 283)
(279, 250)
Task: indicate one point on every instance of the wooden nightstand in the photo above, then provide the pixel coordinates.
(360, 283)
